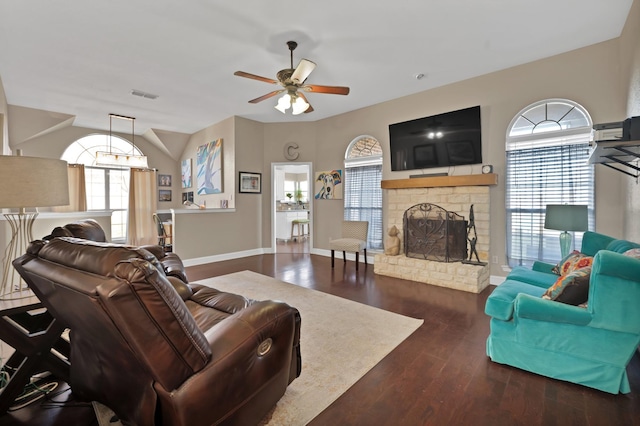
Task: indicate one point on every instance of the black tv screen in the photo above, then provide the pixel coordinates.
(450, 139)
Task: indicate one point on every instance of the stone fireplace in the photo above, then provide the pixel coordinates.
(432, 233)
(455, 195)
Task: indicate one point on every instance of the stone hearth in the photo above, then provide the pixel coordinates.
(455, 194)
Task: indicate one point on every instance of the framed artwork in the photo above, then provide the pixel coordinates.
(328, 185)
(186, 173)
(187, 196)
(209, 168)
(250, 182)
(164, 180)
(164, 195)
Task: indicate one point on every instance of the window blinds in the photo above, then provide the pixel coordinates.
(536, 177)
(363, 200)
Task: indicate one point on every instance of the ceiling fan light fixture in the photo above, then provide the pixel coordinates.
(293, 80)
(299, 106)
(284, 103)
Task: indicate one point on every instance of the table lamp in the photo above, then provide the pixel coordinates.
(27, 182)
(566, 217)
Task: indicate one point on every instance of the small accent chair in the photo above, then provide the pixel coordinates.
(162, 233)
(353, 239)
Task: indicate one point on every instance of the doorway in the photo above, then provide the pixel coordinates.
(291, 206)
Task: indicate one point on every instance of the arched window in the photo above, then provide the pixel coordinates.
(362, 191)
(547, 163)
(107, 187)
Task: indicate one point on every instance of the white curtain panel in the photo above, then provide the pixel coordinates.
(143, 199)
(77, 190)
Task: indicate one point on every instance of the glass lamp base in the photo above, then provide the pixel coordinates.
(565, 244)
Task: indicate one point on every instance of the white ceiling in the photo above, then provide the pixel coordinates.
(84, 57)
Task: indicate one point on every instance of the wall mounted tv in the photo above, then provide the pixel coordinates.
(450, 139)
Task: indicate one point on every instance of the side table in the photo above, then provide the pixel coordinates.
(35, 335)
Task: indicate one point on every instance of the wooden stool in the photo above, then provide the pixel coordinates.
(299, 223)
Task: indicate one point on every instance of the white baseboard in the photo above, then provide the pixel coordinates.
(496, 279)
(267, 250)
(221, 257)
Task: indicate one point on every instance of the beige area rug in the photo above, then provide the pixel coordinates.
(340, 341)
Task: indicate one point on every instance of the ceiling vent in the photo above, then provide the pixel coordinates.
(142, 94)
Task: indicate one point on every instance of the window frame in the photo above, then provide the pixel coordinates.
(545, 154)
(364, 155)
(83, 151)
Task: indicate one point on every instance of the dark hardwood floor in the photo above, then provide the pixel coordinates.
(440, 375)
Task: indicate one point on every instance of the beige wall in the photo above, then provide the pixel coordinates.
(630, 54)
(224, 130)
(217, 233)
(4, 128)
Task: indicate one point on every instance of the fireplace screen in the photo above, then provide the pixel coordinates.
(433, 233)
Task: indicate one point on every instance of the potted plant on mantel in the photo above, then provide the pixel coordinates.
(289, 196)
(299, 196)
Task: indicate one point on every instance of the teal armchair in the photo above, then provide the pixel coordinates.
(589, 346)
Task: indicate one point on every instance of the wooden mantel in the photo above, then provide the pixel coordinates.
(439, 181)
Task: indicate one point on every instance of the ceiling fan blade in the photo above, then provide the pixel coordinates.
(333, 90)
(304, 98)
(255, 77)
(302, 71)
(267, 96)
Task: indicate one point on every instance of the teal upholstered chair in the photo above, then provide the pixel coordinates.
(590, 346)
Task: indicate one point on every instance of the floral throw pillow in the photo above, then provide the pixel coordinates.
(572, 262)
(572, 289)
(634, 252)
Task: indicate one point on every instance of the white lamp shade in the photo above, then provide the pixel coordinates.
(284, 103)
(566, 217)
(299, 106)
(33, 182)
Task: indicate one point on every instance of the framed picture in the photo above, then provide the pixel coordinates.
(250, 182)
(186, 173)
(187, 196)
(328, 185)
(164, 195)
(209, 168)
(164, 180)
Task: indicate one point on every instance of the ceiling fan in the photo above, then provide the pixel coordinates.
(292, 80)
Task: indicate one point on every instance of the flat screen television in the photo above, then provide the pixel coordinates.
(450, 139)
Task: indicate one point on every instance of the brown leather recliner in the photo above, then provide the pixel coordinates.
(90, 229)
(158, 354)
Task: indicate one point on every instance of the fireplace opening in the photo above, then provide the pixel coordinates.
(433, 233)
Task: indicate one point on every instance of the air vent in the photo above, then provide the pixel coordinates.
(142, 94)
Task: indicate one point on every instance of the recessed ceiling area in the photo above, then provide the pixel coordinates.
(85, 58)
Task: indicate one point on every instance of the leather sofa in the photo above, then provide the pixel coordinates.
(588, 344)
(155, 349)
(90, 229)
